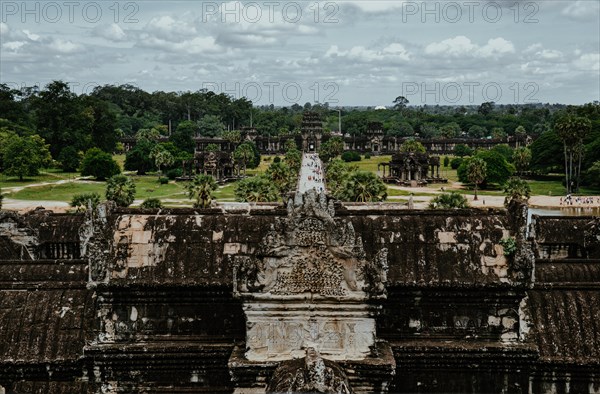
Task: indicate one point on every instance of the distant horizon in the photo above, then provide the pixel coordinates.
(281, 53)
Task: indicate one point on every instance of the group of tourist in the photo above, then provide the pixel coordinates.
(312, 173)
(570, 200)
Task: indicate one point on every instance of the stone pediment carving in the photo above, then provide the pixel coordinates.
(310, 252)
(311, 374)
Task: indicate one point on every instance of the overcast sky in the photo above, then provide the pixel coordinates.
(341, 52)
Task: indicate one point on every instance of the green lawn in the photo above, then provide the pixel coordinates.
(46, 175)
(146, 187)
(225, 193)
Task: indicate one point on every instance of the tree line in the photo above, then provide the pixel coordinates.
(55, 126)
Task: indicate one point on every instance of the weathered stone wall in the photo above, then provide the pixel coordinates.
(154, 309)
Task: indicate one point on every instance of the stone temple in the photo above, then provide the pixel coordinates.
(307, 296)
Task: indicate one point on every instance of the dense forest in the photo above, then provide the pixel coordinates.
(71, 124)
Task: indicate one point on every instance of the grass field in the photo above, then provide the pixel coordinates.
(148, 186)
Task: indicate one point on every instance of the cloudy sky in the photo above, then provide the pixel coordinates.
(341, 52)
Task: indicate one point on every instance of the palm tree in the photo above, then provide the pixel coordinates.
(363, 186)
(572, 129)
(452, 200)
(243, 153)
(201, 189)
(476, 172)
(282, 176)
(256, 189)
(516, 189)
(522, 158)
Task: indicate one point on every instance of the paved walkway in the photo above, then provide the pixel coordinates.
(312, 175)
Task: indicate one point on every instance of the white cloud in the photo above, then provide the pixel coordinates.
(112, 32)
(13, 45)
(457, 46)
(582, 10)
(167, 28)
(64, 46)
(461, 46)
(394, 52)
(31, 36)
(588, 62)
(194, 46)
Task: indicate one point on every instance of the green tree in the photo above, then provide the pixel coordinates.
(592, 175)
(516, 189)
(476, 172)
(258, 188)
(61, 118)
(363, 186)
(462, 150)
(99, 164)
(506, 151)
(24, 156)
(451, 200)
(521, 159)
(498, 133)
(547, 153)
(412, 146)
(477, 131)
(486, 108)
(212, 148)
(450, 130)
(498, 170)
(104, 123)
(283, 177)
(293, 158)
(121, 190)
(336, 173)
(400, 103)
(81, 201)
(183, 137)
(211, 126)
(162, 157)
(243, 154)
(138, 159)
(572, 130)
(70, 159)
(331, 149)
(201, 190)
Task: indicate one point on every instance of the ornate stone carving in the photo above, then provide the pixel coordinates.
(310, 252)
(311, 374)
(309, 284)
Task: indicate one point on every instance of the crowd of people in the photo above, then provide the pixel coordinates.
(570, 200)
(312, 173)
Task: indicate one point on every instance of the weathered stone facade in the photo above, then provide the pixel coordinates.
(127, 300)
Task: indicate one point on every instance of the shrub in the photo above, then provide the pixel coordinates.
(174, 173)
(350, 156)
(277, 159)
(99, 164)
(151, 203)
(509, 245)
(163, 180)
(121, 190)
(69, 159)
(452, 200)
(80, 201)
(455, 163)
(367, 156)
(446, 161)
